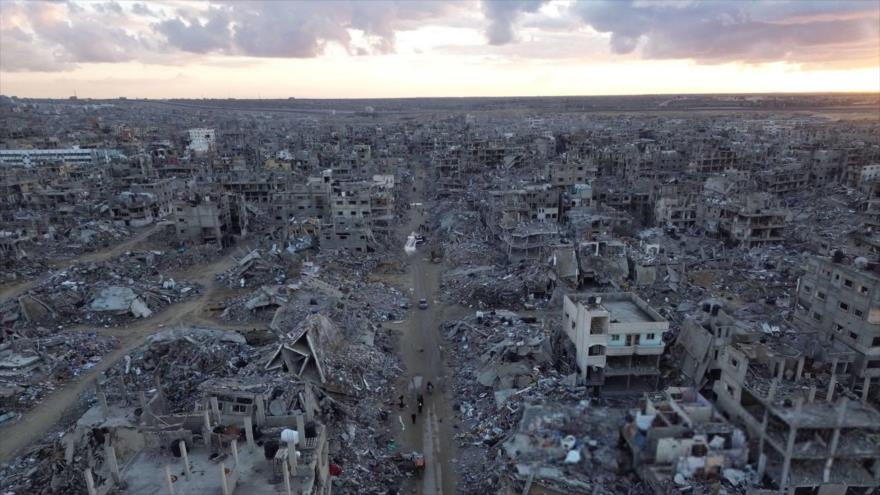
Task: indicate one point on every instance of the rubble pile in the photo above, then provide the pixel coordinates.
(492, 286)
(357, 369)
(19, 269)
(34, 363)
(473, 251)
(464, 238)
(254, 269)
(360, 381)
(357, 265)
(64, 242)
(44, 469)
(29, 259)
(354, 304)
(757, 282)
(105, 293)
(504, 366)
(86, 237)
(570, 448)
(181, 359)
(260, 305)
(185, 257)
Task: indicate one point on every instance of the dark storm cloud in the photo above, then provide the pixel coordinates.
(192, 34)
(60, 35)
(502, 14)
(46, 36)
(724, 31)
(296, 29)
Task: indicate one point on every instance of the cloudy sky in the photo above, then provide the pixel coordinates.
(366, 48)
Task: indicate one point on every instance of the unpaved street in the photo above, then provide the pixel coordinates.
(421, 349)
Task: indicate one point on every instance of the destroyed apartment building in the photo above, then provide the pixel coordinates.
(810, 434)
(836, 300)
(677, 436)
(217, 218)
(751, 221)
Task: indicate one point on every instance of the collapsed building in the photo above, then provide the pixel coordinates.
(677, 435)
(210, 219)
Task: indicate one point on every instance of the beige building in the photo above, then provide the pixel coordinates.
(618, 340)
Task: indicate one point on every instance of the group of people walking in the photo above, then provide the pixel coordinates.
(420, 401)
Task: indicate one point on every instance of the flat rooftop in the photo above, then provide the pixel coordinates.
(626, 312)
(623, 307)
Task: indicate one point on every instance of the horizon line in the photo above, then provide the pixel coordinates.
(74, 97)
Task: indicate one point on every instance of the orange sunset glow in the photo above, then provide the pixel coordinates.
(409, 49)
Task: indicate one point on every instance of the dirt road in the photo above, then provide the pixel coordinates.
(36, 423)
(421, 349)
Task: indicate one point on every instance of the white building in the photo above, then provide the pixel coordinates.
(200, 140)
(29, 157)
(868, 174)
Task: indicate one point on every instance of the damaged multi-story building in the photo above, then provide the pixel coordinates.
(810, 435)
(752, 221)
(525, 219)
(837, 299)
(217, 218)
(677, 434)
(618, 340)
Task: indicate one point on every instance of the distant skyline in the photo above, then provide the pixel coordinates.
(409, 48)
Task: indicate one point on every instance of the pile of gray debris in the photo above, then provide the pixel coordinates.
(107, 293)
(56, 464)
(490, 287)
(182, 358)
(522, 417)
(35, 362)
(256, 268)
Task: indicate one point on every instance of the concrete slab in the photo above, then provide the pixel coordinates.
(146, 474)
